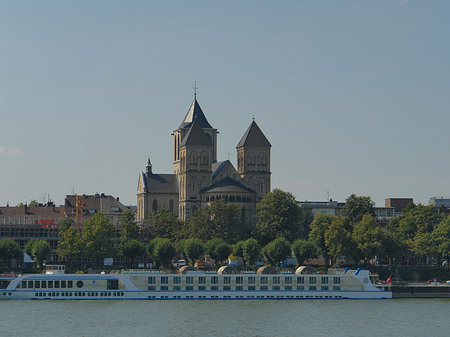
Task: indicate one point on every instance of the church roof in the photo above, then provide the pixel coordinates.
(196, 136)
(160, 183)
(254, 137)
(195, 113)
(217, 167)
(227, 185)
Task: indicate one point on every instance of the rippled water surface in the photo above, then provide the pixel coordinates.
(406, 317)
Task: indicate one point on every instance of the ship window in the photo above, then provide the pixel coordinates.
(263, 288)
(50, 284)
(24, 284)
(69, 284)
(151, 288)
(189, 280)
(202, 280)
(263, 280)
(37, 284)
(164, 288)
(276, 280)
(288, 288)
(239, 280)
(300, 287)
(251, 280)
(312, 280)
(227, 280)
(44, 284)
(56, 284)
(164, 280)
(324, 288)
(288, 280)
(151, 280)
(80, 284)
(189, 288)
(176, 288)
(300, 280)
(336, 280)
(63, 284)
(214, 280)
(176, 280)
(112, 284)
(226, 288)
(276, 288)
(337, 288)
(214, 288)
(251, 287)
(324, 280)
(239, 288)
(202, 288)
(312, 288)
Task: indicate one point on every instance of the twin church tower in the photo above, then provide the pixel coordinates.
(198, 178)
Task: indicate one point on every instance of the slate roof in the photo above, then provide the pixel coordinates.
(254, 137)
(196, 136)
(100, 202)
(227, 185)
(160, 183)
(195, 113)
(217, 167)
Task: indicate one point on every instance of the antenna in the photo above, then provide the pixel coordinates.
(73, 190)
(328, 194)
(228, 154)
(195, 89)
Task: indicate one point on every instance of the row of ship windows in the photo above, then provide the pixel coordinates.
(80, 294)
(240, 288)
(241, 279)
(48, 284)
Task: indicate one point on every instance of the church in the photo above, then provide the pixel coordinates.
(198, 178)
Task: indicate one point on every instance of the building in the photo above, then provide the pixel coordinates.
(198, 178)
(399, 204)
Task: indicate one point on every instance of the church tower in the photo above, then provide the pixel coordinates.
(194, 113)
(196, 152)
(253, 153)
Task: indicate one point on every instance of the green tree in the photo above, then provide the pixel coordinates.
(163, 252)
(368, 237)
(303, 250)
(40, 251)
(251, 250)
(238, 249)
(319, 226)
(9, 249)
(99, 237)
(277, 251)
(28, 249)
(441, 238)
(217, 249)
(358, 206)
(33, 203)
(279, 215)
(70, 243)
(339, 241)
(166, 225)
(193, 249)
(132, 249)
(219, 220)
(129, 228)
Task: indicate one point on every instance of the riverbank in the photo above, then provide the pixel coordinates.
(421, 290)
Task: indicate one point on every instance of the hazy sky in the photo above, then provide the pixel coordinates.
(353, 95)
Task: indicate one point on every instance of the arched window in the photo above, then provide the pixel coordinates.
(155, 205)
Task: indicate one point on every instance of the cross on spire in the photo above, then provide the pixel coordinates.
(228, 154)
(195, 89)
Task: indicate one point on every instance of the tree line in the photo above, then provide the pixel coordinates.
(420, 235)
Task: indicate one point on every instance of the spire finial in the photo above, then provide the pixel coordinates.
(253, 117)
(195, 89)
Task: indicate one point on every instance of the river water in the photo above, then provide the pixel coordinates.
(398, 317)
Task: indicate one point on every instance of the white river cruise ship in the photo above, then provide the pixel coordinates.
(188, 283)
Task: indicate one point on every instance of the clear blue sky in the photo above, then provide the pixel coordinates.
(353, 95)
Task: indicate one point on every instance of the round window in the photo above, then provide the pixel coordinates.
(80, 284)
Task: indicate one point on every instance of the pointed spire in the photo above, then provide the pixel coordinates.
(195, 113)
(196, 136)
(254, 137)
(148, 167)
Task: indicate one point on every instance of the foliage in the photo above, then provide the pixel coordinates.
(238, 249)
(251, 250)
(9, 249)
(40, 251)
(441, 238)
(98, 236)
(132, 248)
(368, 237)
(70, 243)
(338, 240)
(277, 250)
(358, 206)
(219, 220)
(303, 250)
(163, 252)
(217, 249)
(129, 228)
(193, 249)
(279, 215)
(28, 249)
(166, 225)
(319, 226)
